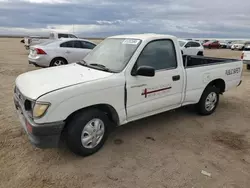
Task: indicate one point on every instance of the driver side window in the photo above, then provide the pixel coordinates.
(188, 44)
(159, 54)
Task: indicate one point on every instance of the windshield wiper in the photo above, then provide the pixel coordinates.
(103, 67)
(82, 62)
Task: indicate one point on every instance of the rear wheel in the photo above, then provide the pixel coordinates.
(58, 62)
(200, 53)
(248, 67)
(87, 132)
(209, 101)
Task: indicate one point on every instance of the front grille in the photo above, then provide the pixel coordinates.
(19, 96)
(23, 101)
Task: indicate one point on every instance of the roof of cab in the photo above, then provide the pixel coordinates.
(144, 36)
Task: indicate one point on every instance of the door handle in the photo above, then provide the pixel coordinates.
(176, 77)
(67, 52)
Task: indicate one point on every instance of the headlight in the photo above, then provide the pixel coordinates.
(39, 109)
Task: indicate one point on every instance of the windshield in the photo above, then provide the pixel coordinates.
(181, 43)
(113, 53)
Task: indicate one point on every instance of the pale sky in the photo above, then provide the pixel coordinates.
(98, 18)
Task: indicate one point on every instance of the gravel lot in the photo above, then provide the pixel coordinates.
(164, 151)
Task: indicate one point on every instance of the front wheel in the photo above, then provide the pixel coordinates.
(248, 67)
(209, 101)
(87, 132)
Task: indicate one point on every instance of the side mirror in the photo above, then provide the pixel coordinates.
(187, 46)
(145, 71)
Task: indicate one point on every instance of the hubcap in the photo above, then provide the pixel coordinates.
(211, 101)
(92, 133)
(58, 62)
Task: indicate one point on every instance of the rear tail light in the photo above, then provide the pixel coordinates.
(242, 56)
(40, 51)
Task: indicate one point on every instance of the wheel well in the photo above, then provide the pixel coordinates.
(219, 83)
(58, 58)
(200, 53)
(107, 109)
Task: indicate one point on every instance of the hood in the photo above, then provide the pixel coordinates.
(33, 84)
(207, 43)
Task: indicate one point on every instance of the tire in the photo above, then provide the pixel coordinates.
(204, 109)
(248, 67)
(58, 62)
(209, 47)
(80, 126)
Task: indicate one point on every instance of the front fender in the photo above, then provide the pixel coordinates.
(62, 108)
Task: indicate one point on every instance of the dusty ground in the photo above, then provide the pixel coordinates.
(165, 151)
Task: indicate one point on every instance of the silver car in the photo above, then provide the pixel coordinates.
(59, 52)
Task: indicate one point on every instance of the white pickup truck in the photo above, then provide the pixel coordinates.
(34, 40)
(125, 78)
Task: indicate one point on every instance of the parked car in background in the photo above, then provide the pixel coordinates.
(247, 45)
(229, 44)
(204, 41)
(59, 52)
(191, 47)
(212, 44)
(240, 45)
(125, 78)
(30, 41)
(223, 44)
(245, 56)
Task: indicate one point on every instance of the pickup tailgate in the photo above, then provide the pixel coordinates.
(229, 71)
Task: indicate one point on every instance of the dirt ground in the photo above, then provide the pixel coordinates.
(164, 151)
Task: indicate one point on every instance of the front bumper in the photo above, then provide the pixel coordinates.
(37, 65)
(41, 135)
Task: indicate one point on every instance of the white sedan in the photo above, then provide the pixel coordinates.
(59, 52)
(189, 47)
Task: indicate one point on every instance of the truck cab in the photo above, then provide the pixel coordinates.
(123, 79)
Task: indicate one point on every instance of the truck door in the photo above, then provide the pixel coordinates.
(146, 95)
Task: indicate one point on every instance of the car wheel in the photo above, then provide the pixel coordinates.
(208, 101)
(248, 67)
(58, 62)
(209, 46)
(87, 132)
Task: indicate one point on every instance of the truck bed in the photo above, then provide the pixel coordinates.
(194, 61)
